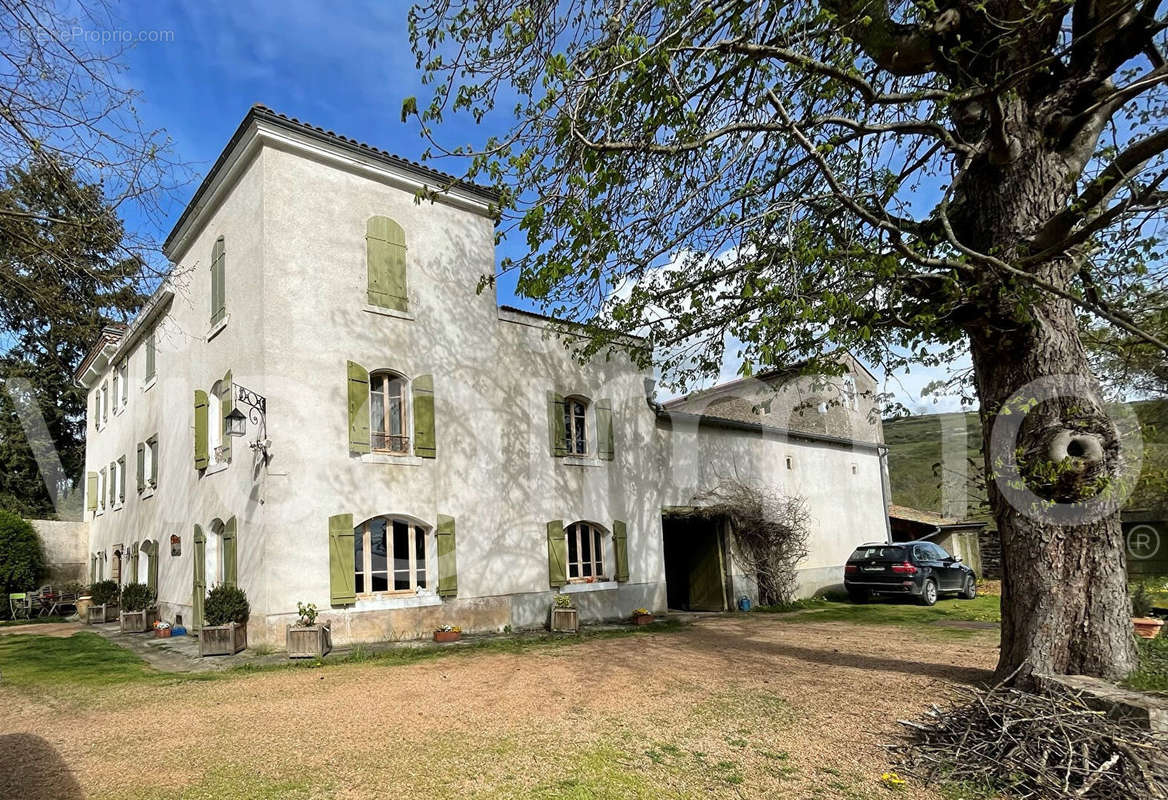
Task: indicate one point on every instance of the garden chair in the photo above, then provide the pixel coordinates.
(20, 605)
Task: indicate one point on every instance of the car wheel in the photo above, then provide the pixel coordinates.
(858, 595)
(929, 592)
(969, 591)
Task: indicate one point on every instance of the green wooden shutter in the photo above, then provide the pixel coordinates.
(358, 408)
(424, 437)
(385, 256)
(122, 479)
(226, 404)
(620, 544)
(447, 562)
(201, 404)
(91, 491)
(605, 448)
(557, 432)
(342, 578)
(141, 466)
(199, 589)
(152, 568)
(218, 281)
(557, 554)
(151, 354)
(230, 569)
(92, 568)
(133, 563)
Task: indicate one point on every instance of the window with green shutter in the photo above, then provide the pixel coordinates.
(342, 577)
(133, 577)
(201, 433)
(605, 447)
(122, 479)
(199, 588)
(557, 431)
(385, 259)
(620, 546)
(152, 461)
(557, 546)
(447, 562)
(358, 394)
(91, 491)
(424, 436)
(226, 404)
(218, 281)
(151, 550)
(151, 354)
(141, 471)
(230, 566)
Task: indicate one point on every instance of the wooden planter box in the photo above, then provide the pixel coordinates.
(314, 641)
(1147, 627)
(96, 615)
(643, 619)
(443, 637)
(222, 640)
(139, 621)
(565, 620)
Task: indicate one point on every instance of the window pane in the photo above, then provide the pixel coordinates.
(377, 407)
(401, 555)
(378, 546)
(420, 555)
(586, 551)
(395, 416)
(379, 583)
(573, 554)
(359, 557)
(597, 552)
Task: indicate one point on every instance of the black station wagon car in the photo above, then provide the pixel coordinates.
(921, 569)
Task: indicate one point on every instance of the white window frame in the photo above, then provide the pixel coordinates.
(150, 467)
(363, 536)
(101, 493)
(577, 424)
(406, 415)
(575, 535)
(216, 435)
(124, 376)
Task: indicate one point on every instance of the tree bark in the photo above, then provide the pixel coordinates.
(1065, 608)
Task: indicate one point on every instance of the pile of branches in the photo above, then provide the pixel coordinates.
(1040, 746)
(770, 533)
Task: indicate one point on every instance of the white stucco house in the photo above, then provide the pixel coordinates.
(423, 456)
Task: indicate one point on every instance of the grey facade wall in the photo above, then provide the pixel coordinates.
(66, 549)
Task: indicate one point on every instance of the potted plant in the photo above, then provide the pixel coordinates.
(225, 615)
(1144, 623)
(162, 630)
(641, 616)
(138, 611)
(447, 633)
(306, 639)
(565, 619)
(103, 602)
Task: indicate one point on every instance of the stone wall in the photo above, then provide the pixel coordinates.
(991, 554)
(65, 545)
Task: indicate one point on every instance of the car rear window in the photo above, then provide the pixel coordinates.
(878, 553)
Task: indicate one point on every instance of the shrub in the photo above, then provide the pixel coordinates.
(22, 562)
(104, 592)
(563, 601)
(136, 597)
(307, 614)
(1141, 600)
(226, 604)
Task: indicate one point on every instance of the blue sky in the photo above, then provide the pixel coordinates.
(344, 66)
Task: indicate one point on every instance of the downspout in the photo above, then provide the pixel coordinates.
(885, 490)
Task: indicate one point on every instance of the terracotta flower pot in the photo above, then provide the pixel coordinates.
(1147, 627)
(162, 633)
(442, 637)
(642, 619)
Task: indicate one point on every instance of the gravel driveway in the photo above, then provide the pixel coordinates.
(740, 706)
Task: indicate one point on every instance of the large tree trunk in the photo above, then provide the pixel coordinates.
(1064, 598)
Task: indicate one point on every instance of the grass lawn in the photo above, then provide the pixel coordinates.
(730, 707)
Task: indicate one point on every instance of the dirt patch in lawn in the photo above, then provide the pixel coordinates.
(63, 629)
(744, 706)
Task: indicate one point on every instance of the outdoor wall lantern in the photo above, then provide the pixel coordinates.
(257, 414)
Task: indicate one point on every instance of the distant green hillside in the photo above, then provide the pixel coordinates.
(914, 445)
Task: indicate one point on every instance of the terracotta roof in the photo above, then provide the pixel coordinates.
(261, 112)
(927, 517)
(110, 334)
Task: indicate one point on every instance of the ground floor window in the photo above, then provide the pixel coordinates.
(585, 551)
(389, 555)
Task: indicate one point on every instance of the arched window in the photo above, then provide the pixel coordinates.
(390, 555)
(585, 551)
(388, 413)
(575, 425)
